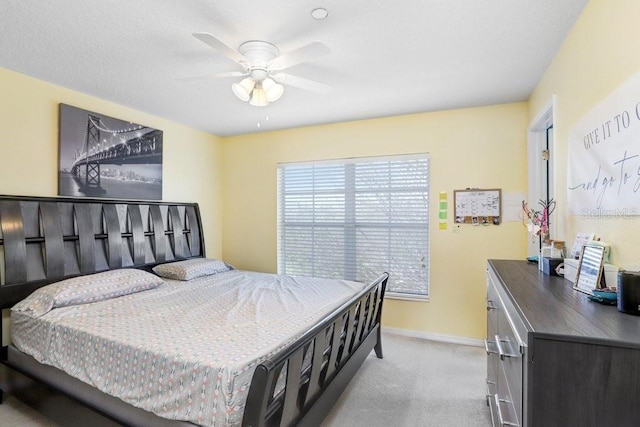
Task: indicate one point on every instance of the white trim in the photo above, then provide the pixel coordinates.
(545, 116)
(475, 342)
(349, 160)
(406, 297)
(536, 137)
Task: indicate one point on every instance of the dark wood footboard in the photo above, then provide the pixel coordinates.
(338, 345)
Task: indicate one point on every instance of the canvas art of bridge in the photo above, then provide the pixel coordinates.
(102, 156)
(136, 145)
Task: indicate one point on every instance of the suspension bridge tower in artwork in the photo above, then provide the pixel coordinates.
(92, 171)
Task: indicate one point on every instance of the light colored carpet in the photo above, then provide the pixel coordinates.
(14, 413)
(418, 383)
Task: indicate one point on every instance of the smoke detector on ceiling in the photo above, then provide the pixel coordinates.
(319, 13)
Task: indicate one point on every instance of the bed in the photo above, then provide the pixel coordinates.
(283, 370)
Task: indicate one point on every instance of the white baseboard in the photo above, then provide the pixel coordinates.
(476, 342)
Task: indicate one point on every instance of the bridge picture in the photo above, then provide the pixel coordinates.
(105, 157)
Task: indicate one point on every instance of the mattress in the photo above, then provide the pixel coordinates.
(184, 350)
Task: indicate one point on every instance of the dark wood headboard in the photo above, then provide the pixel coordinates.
(46, 239)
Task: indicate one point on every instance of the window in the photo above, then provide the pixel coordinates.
(355, 218)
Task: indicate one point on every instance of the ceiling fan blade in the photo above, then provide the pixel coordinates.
(213, 42)
(302, 83)
(303, 54)
(214, 76)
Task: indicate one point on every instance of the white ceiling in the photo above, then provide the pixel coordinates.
(387, 58)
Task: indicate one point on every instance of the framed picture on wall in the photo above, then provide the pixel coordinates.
(105, 157)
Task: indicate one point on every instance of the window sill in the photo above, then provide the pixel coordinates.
(406, 297)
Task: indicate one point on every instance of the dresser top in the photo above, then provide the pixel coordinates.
(550, 306)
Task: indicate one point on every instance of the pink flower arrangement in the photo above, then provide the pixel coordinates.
(537, 221)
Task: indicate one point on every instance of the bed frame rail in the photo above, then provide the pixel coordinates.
(338, 345)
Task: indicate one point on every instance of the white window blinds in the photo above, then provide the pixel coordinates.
(355, 218)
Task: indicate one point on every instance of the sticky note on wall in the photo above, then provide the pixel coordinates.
(442, 210)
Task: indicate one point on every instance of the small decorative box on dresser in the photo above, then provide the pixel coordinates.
(555, 358)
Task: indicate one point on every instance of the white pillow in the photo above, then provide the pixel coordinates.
(86, 289)
(191, 268)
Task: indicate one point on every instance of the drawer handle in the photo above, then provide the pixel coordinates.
(501, 421)
(486, 347)
(499, 347)
(501, 352)
(493, 407)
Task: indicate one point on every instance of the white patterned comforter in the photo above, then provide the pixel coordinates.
(184, 350)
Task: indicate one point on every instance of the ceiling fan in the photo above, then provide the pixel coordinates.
(263, 65)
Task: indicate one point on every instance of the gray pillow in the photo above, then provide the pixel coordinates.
(86, 289)
(191, 268)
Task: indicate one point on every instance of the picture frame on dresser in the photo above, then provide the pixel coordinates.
(590, 269)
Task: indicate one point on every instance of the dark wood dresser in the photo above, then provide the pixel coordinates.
(555, 358)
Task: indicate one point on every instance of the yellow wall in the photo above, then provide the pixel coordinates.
(29, 148)
(599, 54)
(480, 147)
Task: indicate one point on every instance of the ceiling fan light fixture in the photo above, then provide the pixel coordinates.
(259, 59)
(259, 97)
(272, 89)
(244, 88)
